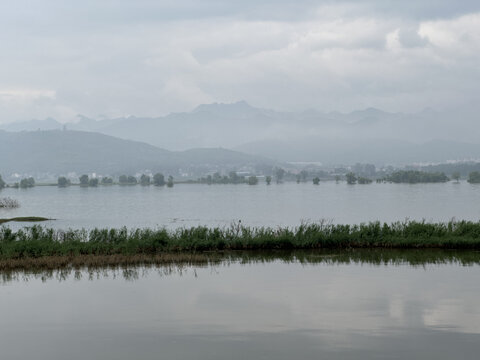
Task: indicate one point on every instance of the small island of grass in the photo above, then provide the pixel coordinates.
(24, 219)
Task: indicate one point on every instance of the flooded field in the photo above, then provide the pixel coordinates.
(308, 305)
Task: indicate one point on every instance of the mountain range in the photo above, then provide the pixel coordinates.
(369, 135)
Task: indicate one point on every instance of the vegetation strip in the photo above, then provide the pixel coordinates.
(37, 242)
(25, 219)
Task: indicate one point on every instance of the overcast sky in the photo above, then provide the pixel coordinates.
(109, 58)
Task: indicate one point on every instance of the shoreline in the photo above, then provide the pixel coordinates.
(37, 245)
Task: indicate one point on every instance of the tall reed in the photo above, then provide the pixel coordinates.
(37, 241)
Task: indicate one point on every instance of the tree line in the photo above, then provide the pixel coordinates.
(158, 179)
(85, 181)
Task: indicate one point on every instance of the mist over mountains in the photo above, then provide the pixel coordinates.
(369, 135)
(60, 152)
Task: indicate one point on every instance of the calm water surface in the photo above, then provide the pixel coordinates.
(248, 310)
(357, 308)
(219, 205)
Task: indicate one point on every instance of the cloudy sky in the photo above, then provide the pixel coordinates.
(109, 58)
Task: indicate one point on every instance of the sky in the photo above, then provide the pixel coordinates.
(110, 58)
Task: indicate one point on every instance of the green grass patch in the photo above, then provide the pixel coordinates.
(36, 241)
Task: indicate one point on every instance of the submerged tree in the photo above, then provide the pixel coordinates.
(27, 183)
(145, 180)
(279, 174)
(456, 176)
(474, 177)
(351, 178)
(316, 180)
(337, 178)
(268, 179)
(131, 180)
(93, 182)
(303, 175)
(2, 183)
(63, 181)
(83, 180)
(252, 180)
(158, 179)
(364, 180)
(170, 181)
(107, 180)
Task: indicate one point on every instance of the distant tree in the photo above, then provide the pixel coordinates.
(456, 176)
(23, 184)
(351, 178)
(144, 180)
(158, 179)
(337, 178)
(279, 174)
(209, 179)
(27, 183)
(252, 180)
(16, 185)
(131, 180)
(93, 182)
(474, 177)
(364, 180)
(107, 180)
(234, 178)
(217, 178)
(303, 175)
(268, 179)
(2, 183)
(84, 180)
(316, 180)
(63, 181)
(170, 181)
(123, 180)
(414, 177)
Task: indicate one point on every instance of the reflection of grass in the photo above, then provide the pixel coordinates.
(37, 242)
(25, 219)
(132, 267)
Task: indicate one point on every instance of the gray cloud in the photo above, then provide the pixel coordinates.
(153, 57)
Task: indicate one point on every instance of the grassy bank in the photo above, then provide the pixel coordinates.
(37, 242)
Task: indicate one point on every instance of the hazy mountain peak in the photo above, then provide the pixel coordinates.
(371, 111)
(239, 106)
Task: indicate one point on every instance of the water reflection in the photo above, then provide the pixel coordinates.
(276, 305)
(215, 261)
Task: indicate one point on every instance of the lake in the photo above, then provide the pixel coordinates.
(285, 204)
(305, 305)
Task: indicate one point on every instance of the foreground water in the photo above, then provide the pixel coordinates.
(360, 305)
(219, 205)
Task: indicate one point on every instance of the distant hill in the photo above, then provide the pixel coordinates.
(376, 151)
(370, 135)
(60, 152)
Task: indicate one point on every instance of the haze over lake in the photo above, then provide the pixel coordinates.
(210, 156)
(285, 204)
